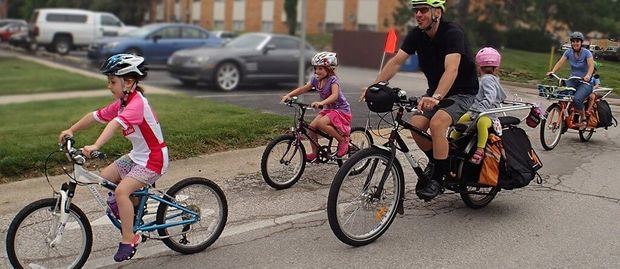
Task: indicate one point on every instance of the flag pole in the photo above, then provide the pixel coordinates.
(382, 60)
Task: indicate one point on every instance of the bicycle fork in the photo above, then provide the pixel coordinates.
(64, 204)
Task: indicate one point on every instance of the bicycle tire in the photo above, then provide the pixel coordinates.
(385, 214)
(360, 139)
(177, 189)
(77, 218)
(556, 130)
(299, 155)
(586, 135)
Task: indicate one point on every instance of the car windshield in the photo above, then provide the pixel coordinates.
(142, 31)
(249, 41)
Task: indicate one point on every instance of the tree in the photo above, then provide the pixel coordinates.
(290, 8)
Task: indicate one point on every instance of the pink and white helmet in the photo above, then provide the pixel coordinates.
(488, 57)
(325, 58)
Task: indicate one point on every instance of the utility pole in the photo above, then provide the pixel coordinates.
(302, 46)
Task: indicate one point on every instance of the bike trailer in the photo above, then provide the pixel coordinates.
(510, 161)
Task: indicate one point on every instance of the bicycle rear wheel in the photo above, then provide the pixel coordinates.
(360, 139)
(35, 227)
(358, 214)
(203, 197)
(551, 127)
(283, 162)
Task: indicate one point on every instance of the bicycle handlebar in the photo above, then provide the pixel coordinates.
(294, 101)
(77, 155)
(562, 81)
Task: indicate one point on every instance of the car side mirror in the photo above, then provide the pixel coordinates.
(156, 38)
(267, 48)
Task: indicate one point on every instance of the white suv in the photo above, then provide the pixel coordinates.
(62, 29)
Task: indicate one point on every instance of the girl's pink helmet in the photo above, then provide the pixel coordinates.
(488, 57)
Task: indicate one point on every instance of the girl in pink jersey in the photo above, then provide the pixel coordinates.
(130, 113)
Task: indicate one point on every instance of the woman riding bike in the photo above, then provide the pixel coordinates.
(582, 66)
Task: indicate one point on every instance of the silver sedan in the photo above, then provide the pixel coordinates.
(249, 58)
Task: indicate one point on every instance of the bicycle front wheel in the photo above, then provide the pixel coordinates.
(198, 195)
(360, 207)
(35, 240)
(551, 127)
(283, 162)
(585, 135)
(360, 139)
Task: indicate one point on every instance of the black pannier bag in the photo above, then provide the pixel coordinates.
(605, 118)
(519, 162)
(380, 98)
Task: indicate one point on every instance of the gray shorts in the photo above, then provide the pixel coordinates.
(462, 102)
(127, 168)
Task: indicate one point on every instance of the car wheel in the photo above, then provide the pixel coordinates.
(227, 76)
(62, 45)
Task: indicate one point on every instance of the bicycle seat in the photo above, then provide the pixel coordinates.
(509, 120)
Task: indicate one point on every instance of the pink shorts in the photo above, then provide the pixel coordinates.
(127, 168)
(339, 119)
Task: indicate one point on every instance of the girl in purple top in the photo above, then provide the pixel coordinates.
(335, 117)
(582, 65)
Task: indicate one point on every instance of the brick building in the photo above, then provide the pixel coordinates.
(269, 16)
(4, 6)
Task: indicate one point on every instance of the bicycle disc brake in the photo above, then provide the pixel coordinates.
(324, 154)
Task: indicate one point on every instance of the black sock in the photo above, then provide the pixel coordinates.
(429, 155)
(441, 168)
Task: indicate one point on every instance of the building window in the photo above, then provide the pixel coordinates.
(267, 26)
(218, 25)
(331, 26)
(366, 27)
(238, 25)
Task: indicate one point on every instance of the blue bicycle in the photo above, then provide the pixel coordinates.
(55, 233)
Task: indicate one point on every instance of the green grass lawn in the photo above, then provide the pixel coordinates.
(191, 127)
(531, 67)
(24, 77)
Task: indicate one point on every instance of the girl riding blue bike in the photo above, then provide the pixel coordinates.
(131, 113)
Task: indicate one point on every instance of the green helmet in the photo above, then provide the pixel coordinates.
(433, 3)
(597, 65)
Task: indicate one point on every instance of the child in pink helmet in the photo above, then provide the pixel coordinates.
(490, 95)
(335, 116)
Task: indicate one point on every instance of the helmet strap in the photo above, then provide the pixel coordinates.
(434, 19)
(126, 91)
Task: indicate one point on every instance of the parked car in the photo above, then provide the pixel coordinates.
(62, 29)
(611, 53)
(22, 40)
(225, 35)
(155, 42)
(9, 27)
(252, 57)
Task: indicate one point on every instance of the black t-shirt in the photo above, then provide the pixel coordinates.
(432, 52)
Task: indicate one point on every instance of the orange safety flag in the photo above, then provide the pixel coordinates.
(390, 42)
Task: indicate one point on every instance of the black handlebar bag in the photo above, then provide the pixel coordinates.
(380, 98)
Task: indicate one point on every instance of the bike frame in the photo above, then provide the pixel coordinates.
(85, 177)
(396, 143)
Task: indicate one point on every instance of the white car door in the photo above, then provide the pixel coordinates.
(109, 25)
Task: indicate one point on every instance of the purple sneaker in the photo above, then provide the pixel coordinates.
(126, 251)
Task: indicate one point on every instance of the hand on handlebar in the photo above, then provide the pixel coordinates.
(317, 105)
(587, 78)
(285, 98)
(64, 134)
(88, 150)
(427, 103)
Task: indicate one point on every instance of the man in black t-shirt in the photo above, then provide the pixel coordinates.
(449, 68)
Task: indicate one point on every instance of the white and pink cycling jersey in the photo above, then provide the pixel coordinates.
(141, 127)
